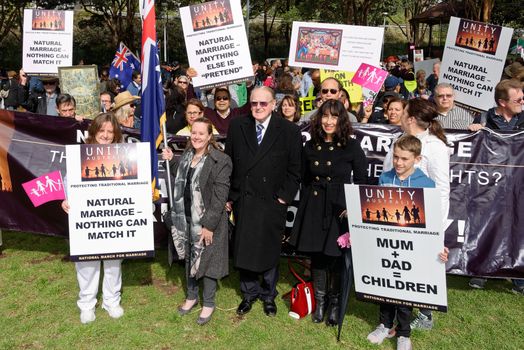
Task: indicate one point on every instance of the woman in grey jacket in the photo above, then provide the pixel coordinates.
(200, 227)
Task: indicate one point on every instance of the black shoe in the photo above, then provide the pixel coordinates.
(320, 309)
(270, 308)
(245, 306)
(332, 314)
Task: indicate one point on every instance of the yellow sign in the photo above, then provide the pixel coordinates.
(354, 90)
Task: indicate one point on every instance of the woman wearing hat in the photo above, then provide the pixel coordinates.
(124, 109)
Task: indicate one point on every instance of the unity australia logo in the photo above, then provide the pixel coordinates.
(477, 36)
(48, 20)
(116, 161)
(211, 14)
(393, 206)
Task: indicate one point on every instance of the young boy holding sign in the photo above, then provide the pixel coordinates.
(406, 153)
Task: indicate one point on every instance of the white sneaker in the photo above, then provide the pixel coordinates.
(404, 343)
(87, 316)
(379, 334)
(115, 311)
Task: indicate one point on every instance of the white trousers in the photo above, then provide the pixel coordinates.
(88, 276)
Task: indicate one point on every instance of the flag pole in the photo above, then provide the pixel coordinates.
(168, 171)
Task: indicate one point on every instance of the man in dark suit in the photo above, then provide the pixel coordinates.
(265, 150)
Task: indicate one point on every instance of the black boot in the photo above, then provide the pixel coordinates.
(333, 299)
(319, 287)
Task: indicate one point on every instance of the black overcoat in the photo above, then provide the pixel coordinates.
(261, 174)
(326, 167)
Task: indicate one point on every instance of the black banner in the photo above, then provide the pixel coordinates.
(484, 231)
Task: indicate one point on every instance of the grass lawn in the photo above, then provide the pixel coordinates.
(38, 310)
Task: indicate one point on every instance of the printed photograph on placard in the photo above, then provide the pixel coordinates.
(108, 162)
(477, 36)
(318, 45)
(49, 20)
(393, 206)
(211, 14)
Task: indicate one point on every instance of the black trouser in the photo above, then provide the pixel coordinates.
(251, 287)
(403, 314)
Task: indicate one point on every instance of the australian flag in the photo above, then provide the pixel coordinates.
(153, 108)
(123, 65)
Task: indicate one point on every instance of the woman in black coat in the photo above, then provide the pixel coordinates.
(329, 160)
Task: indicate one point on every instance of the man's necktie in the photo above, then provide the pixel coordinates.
(260, 127)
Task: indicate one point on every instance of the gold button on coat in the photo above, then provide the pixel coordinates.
(316, 163)
(328, 163)
(315, 193)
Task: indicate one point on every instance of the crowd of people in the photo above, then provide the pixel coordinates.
(264, 165)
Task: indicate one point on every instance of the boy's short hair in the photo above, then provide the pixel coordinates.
(409, 143)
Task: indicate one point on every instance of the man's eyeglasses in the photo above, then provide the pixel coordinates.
(332, 91)
(518, 100)
(222, 98)
(262, 104)
(48, 83)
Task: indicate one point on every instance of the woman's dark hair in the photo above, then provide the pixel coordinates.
(212, 141)
(292, 100)
(425, 113)
(97, 124)
(285, 83)
(343, 130)
(113, 86)
(346, 95)
(397, 100)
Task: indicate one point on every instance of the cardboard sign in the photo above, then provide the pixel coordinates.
(109, 191)
(334, 46)
(48, 41)
(473, 60)
(396, 236)
(216, 43)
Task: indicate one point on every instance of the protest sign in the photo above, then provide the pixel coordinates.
(48, 187)
(426, 66)
(48, 41)
(81, 82)
(371, 79)
(345, 78)
(307, 104)
(334, 46)
(418, 55)
(473, 60)
(396, 236)
(108, 189)
(216, 43)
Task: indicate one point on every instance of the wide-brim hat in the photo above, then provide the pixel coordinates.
(512, 69)
(123, 99)
(48, 79)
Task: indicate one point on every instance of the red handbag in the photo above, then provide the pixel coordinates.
(302, 297)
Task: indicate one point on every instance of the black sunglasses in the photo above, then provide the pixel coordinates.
(333, 91)
(221, 98)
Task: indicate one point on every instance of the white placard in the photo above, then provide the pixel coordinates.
(426, 66)
(216, 43)
(48, 41)
(395, 256)
(334, 46)
(109, 194)
(473, 60)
